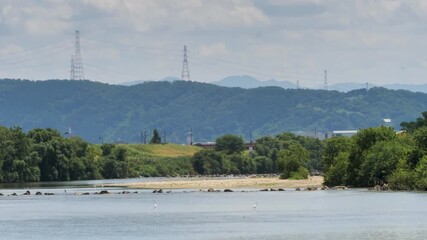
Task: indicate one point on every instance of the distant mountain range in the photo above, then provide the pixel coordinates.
(166, 79)
(248, 82)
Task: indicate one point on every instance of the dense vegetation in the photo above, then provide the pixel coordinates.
(377, 156)
(44, 155)
(100, 112)
(286, 154)
(374, 156)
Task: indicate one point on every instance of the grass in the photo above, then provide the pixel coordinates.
(160, 150)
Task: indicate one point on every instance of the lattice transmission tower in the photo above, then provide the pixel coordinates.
(76, 60)
(72, 75)
(325, 82)
(185, 72)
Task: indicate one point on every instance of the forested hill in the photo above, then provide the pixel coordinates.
(97, 111)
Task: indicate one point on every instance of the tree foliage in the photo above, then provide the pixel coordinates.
(156, 139)
(377, 156)
(229, 144)
(109, 112)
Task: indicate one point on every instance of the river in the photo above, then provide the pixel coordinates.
(184, 214)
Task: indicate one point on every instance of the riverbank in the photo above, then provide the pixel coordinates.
(225, 183)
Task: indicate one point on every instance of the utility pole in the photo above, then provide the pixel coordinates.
(250, 134)
(185, 75)
(190, 137)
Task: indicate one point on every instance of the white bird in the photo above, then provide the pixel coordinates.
(254, 206)
(155, 205)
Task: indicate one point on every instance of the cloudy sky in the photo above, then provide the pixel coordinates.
(375, 41)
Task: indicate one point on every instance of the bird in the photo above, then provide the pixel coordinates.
(254, 206)
(155, 205)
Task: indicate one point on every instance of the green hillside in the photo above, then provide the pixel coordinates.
(101, 112)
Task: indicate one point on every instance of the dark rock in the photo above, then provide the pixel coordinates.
(310, 189)
(39, 193)
(48, 194)
(14, 194)
(297, 189)
(281, 189)
(1, 194)
(104, 192)
(86, 193)
(228, 190)
(160, 191)
(339, 188)
(27, 193)
(135, 192)
(379, 188)
(211, 190)
(264, 190)
(125, 192)
(272, 190)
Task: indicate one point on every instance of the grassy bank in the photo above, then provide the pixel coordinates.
(159, 150)
(154, 160)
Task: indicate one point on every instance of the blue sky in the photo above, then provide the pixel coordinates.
(377, 41)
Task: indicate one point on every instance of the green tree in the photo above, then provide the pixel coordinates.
(402, 178)
(336, 173)
(333, 147)
(156, 139)
(263, 165)
(421, 174)
(208, 162)
(363, 141)
(229, 144)
(381, 160)
(418, 123)
(291, 159)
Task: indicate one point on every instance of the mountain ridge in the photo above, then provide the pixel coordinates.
(101, 112)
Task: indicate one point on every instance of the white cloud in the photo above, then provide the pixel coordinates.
(270, 51)
(180, 15)
(11, 49)
(216, 49)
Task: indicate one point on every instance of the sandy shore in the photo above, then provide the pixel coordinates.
(223, 183)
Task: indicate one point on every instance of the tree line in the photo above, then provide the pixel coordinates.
(44, 155)
(378, 156)
(374, 156)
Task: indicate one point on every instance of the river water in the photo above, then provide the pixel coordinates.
(183, 214)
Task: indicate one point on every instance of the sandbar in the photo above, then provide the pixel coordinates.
(225, 183)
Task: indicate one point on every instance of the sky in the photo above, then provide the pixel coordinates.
(360, 41)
